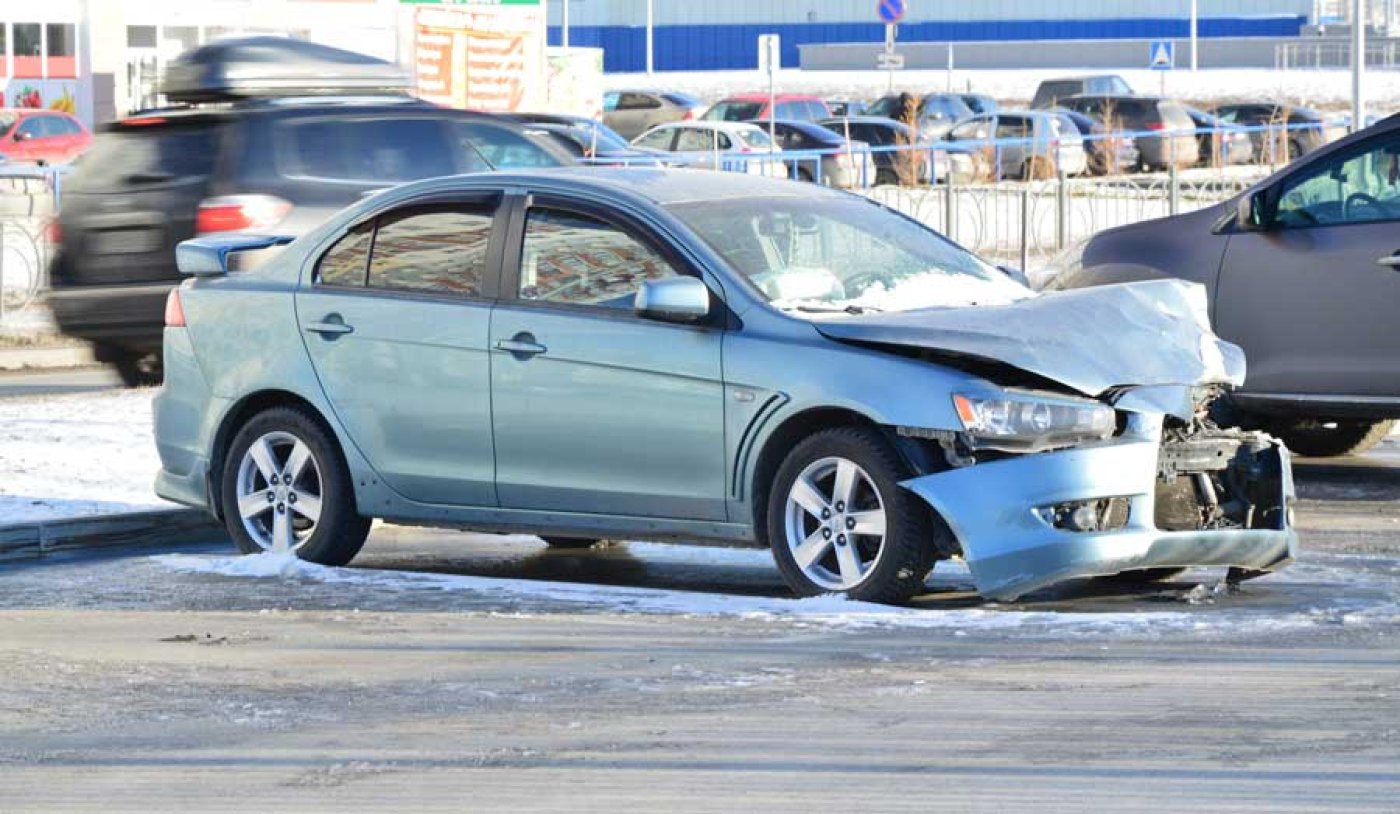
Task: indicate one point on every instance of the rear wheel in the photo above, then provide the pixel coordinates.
(286, 488)
(1325, 439)
(838, 522)
(137, 369)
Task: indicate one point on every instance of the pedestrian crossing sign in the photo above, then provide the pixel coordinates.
(1162, 56)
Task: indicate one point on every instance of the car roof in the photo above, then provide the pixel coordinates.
(882, 121)
(810, 128)
(305, 106)
(663, 187)
(763, 97)
(708, 124)
(1082, 77)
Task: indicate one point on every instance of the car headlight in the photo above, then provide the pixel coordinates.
(1015, 422)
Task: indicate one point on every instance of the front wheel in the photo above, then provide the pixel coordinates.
(138, 369)
(1325, 439)
(838, 522)
(286, 489)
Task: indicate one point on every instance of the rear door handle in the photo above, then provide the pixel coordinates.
(1390, 260)
(332, 325)
(521, 346)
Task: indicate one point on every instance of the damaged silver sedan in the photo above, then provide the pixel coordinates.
(693, 356)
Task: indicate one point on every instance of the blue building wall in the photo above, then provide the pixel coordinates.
(722, 47)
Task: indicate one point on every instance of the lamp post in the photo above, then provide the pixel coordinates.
(651, 20)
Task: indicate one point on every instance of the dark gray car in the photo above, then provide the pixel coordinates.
(1304, 270)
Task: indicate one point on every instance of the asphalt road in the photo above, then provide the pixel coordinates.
(449, 671)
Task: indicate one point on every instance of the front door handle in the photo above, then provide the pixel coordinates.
(330, 326)
(521, 346)
(1390, 261)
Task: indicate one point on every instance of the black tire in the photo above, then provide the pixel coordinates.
(138, 369)
(340, 531)
(1313, 439)
(569, 542)
(910, 527)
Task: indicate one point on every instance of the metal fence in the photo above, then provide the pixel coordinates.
(29, 199)
(1334, 54)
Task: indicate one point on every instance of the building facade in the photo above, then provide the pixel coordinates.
(722, 34)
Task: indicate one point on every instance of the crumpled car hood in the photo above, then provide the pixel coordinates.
(1091, 339)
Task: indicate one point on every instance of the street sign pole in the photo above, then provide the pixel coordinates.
(890, 13)
(1358, 64)
(891, 32)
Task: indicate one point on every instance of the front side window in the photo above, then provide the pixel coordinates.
(610, 100)
(1012, 127)
(659, 139)
(434, 250)
(695, 139)
(1353, 187)
(829, 258)
(574, 259)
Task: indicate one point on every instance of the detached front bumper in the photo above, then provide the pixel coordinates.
(1012, 549)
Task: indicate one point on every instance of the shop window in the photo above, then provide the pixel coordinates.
(140, 36)
(4, 48)
(29, 50)
(63, 50)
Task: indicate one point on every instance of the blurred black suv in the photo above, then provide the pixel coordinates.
(254, 164)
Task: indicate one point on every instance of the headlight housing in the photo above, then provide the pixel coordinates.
(1030, 422)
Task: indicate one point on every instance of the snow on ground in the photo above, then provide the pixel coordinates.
(1329, 88)
(830, 611)
(76, 455)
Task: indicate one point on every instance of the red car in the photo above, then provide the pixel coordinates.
(42, 136)
(750, 106)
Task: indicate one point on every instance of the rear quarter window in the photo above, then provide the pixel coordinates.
(147, 155)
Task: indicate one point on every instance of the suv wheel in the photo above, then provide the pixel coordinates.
(838, 522)
(138, 369)
(1325, 439)
(286, 488)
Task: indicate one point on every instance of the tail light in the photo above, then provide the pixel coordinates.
(233, 213)
(174, 312)
(1158, 126)
(689, 115)
(53, 233)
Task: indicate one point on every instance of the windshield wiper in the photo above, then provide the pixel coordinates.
(822, 309)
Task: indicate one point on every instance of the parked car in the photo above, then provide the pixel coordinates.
(834, 160)
(1107, 153)
(842, 108)
(933, 115)
(632, 112)
(1139, 115)
(248, 163)
(979, 102)
(588, 139)
(1054, 92)
(1221, 143)
(1281, 132)
(41, 137)
(749, 106)
(1022, 144)
(1301, 271)
(704, 356)
(900, 157)
(717, 145)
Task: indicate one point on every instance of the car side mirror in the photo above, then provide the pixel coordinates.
(22, 137)
(1249, 213)
(673, 299)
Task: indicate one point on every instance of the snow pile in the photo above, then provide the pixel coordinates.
(831, 611)
(77, 455)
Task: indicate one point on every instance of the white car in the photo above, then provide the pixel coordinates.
(734, 146)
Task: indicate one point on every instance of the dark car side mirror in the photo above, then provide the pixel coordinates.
(22, 136)
(1249, 213)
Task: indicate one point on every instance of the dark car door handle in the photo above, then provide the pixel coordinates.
(521, 346)
(1391, 260)
(330, 326)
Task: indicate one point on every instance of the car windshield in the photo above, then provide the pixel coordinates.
(730, 111)
(755, 138)
(838, 256)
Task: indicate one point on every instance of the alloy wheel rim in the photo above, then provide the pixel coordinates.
(279, 492)
(835, 523)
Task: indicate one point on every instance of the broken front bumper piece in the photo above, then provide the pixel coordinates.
(1014, 517)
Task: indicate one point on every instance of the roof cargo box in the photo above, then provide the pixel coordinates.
(252, 67)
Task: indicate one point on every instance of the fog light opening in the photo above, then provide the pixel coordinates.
(1103, 514)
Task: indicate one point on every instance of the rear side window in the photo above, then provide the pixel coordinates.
(435, 250)
(637, 101)
(146, 155)
(501, 147)
(376, 151)
(344, 263)
(1009, 127)
(681, 99)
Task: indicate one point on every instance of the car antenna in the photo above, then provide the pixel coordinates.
(479, 154)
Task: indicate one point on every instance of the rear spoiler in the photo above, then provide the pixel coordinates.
(208, 256)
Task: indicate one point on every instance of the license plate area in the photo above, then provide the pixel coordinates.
(129, 240)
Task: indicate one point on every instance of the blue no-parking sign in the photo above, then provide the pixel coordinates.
(1162, 56)
(890, 11)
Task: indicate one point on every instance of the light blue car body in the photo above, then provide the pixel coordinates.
(642, 429)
